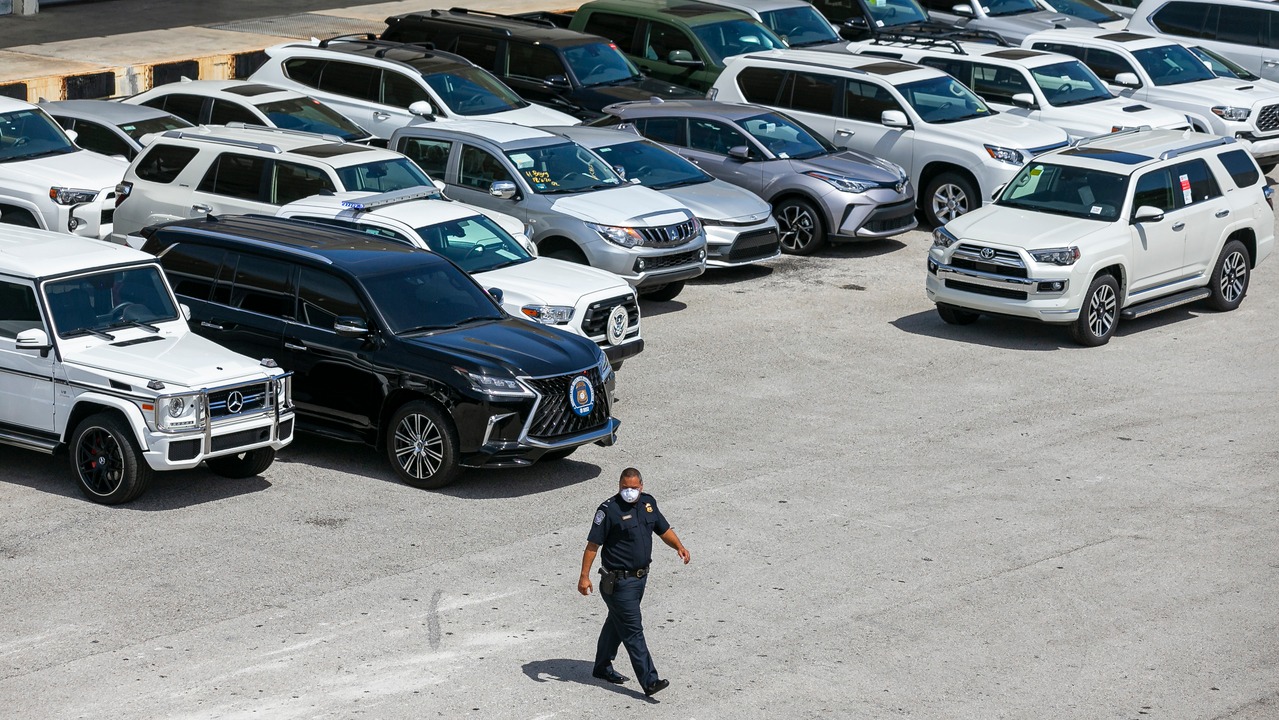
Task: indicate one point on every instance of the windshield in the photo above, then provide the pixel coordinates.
(800, 25)
(1089, 10)
(564, 168)
(784, 137)
(887, 13)
(1222, 66)
(735, 37)
(472, 91)
(476, 244)
(600, 64)
(310, 115)
(430, 297)
(943, 100)
(137, 129)
(997, 8)
(1069, 83)
(108, 301)
(1172, 65)
(28, 134)
(1066, 190)
(383, 176)
(654, 166)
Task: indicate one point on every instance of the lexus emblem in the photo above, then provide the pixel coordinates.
(987, 253)
(234, 402)
(615, 331)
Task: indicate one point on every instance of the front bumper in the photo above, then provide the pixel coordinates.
(182, 451)
(1048, 299)
(731, 245)
(646, 266)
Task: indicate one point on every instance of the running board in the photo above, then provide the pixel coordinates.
(1164, 303)
(30, 442)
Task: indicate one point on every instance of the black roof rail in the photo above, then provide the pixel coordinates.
(386, 45)
(367, 37)
(891, 38)
(543, 22)
(934, 37)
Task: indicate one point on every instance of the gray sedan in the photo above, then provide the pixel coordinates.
(109, 127)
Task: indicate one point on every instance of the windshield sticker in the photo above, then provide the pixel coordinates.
(783, 155)
(521, 160)
(1186, 195)
(1095, 210)
(879, 23)
(540, 178)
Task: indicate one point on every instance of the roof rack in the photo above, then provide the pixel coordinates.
(1213, 142)
(1105, 136)
(203, 136)
(283, 131)
(391, 198)
(386, 45)
(542, 22)
(912, 39)
(951, 38)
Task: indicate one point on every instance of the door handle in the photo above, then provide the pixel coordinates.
(1179, 226)
(693, 160)
(1270, 63)
(1222, 213)
(202, 208)
(290, 346)
(379, 115)
(211, 326)
(844, 132)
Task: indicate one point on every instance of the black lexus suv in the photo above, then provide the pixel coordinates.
(389, 345)
(570, 71)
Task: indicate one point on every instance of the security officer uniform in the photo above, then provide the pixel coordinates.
(625, 533)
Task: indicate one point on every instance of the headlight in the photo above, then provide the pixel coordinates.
(71, 196)
(178, 413)
(549, 314)
(942, 238)
(1056, 256)
(839, 182)
(1226, 112)
(1003, 154)
(625, 236)
(493, 385)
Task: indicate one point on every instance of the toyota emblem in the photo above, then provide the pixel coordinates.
(901, 186)
(615, 331)
(987, 253)
(234, 402)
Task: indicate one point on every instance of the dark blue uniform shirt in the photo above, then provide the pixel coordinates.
(625, 532)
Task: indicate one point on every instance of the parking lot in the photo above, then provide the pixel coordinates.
(888, 517)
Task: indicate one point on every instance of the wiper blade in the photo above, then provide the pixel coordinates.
(89, 331)
(134, 323)
(422, 329)
(475, 318)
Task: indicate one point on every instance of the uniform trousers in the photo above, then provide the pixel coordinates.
(624, 626)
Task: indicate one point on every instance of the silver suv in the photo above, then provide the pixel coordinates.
(818, 191)
(1245, 31)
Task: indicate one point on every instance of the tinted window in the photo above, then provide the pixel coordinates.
(162, 163)
(374, 230)
(998, 84)
(430, 155)
(160, 124)
(192, 268)
(867, 101)
(663, 39)
(1195, 183)
(304, 70)
(761, 85)
(1107, 64)
(1071, 50)
(400, 91)
(294, 182)
(108, 300)
(1154, 189)
(666, 130)
(228, 112)
(618, 28)
(472, 91)
(713, 136)
(187, 107)
(424, 298)
(481, 51)
(476, 243)
(351, 80)
(323, 298)
(815, 93)
(309, 114)
(1243, 25)
(1182, 18)
(100, 139)
(18, 309)
(262, 286)
(238, 176)
(736, 37)
(1243, 170)
(534, 62)
(962, 71)
(1171, 65)
(887, 13)
(383, 176)
(480, 169)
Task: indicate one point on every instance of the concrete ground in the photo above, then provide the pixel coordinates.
(888, 517)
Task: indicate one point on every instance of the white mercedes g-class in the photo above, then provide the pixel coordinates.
(96, 357)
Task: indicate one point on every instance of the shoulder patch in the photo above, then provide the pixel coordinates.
(599, 516)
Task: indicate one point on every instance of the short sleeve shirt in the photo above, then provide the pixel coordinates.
(625, 532)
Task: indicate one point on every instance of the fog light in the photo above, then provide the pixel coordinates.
(73, 223)
(639, 264)
(1052, 286)
(932, 266)
(701, 254)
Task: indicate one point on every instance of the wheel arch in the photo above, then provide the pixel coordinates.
(9, 204)
(796, 194)
(1248, 237)
(937, 167)
(557, 241)
(1118, 272)
(398, 397)
(93, 403)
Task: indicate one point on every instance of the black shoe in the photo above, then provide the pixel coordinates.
(610, 675)
(657, 687)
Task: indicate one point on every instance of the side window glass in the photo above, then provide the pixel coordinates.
(262, 286)
(1107, 64)
(238, 176)
(867, 101)
(228, 112)
(945, 6)
(837, 11)
(1243, 25)
(18, 309)
(1242, 168)
(323, 298)
(481, 51)
(187, 107)
(192, 268)
(430, 155)
(374, 230)
(997, 84)
(1154, 189)
(815, 93)
(1182, 18)
(958, 69)
(532, 62)
(352, 80)
(399, 91)
(292, 181)
(1194, 183)
(99, 139)
(1072, 50)
(761, 85)
(479, 169)
(618, 28)
(664, 130)
(712, 136)
(163, 163)
(664, 39)
(304, 70)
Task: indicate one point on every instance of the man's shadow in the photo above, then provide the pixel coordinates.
(565, 670)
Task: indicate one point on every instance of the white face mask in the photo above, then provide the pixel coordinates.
(629, 495)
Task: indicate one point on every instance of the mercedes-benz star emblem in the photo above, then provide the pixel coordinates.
(987, 253)
(234, 402)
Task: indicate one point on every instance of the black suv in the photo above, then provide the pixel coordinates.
(389, 345)
(544, 63)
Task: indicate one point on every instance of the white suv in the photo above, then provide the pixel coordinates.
(96, 358)
(247, 169)
(46, 181)
(383, 85)
(579, 299)
(1162, 72)
(952, 143)
(1121, 225)
(1246, 31)
(1056, 89)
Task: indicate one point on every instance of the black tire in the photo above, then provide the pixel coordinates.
(954, 316)
(567, 253)
(1100, 313)
(242, 465)
(1230, 277)
(664, 293)
(559, 454)
(800, 225)
(22, 218)
(106, 461)
(948, 196)
(422, 445)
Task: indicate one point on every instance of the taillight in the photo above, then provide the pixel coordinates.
(122, 190)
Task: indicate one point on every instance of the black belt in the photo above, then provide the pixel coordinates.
(628, 573)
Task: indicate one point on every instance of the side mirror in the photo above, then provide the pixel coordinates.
(350, 327)
(894, 119)
(439, 185)
(683, 58)
(556, 81)
(71, 135)
(33, 339)
(186, 311)
(497, 294)
(857, 22)
(1026, 101)
(965, 10)
(1148, 213)
(504, 189)
(739, 152)
(1127, 80)
(422, 109)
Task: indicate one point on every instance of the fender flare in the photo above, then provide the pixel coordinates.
(131, 412)
(27, 205)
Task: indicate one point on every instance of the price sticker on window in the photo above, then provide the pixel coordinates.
(1186, 194)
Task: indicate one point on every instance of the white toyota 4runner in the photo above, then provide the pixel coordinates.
(1121, 225)
(96, 357)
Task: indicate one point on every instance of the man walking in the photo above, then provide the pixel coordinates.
(624, 526)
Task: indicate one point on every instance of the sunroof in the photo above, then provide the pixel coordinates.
(1115, 156)
(331, 149)
(252, 89)
(1015, 54)
(888, 67)
(1123, 37)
